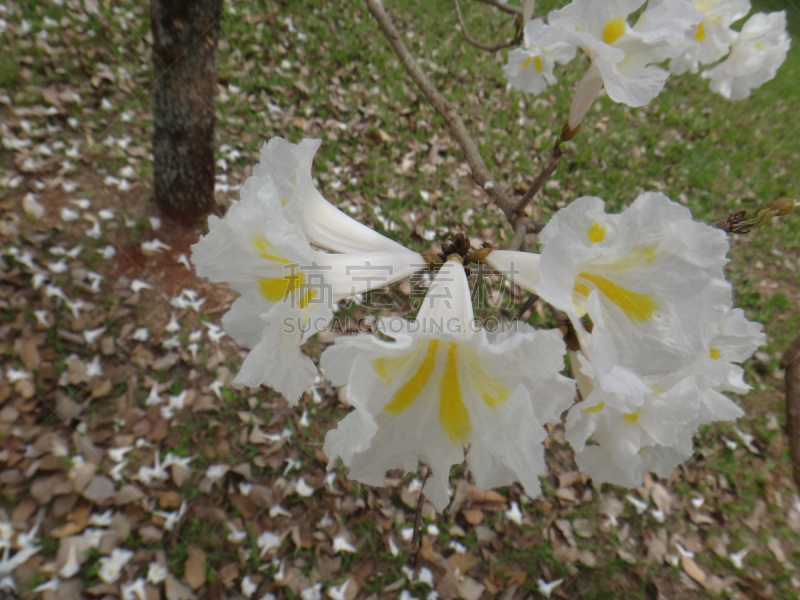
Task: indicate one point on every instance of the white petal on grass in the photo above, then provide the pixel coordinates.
(71, 566)
(137, 285)
(135, 590)
(90, 335)
(111, 566)
(640, 505)
(340, 544)
(236, 536)
(737, 557)
(248, 587)
(278, 511)
(141, 334)
(94, 232)
(215, 472)
(312, 593)
(339, 592)
(514, 514)
(303, 489)
(546, 588)
(67, 214)
(268, 541)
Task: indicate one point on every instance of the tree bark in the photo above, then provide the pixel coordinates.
(185, 35)
(791, 363)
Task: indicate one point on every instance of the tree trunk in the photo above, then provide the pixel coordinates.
(791, 362)
(185, 35)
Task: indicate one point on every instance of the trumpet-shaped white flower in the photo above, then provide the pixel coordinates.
(444, 383)
(755, 56)
(288, 289)
(657, 273)
(641, 424)
(288, 167)
(713, 34)
(734, 340)
(530, 68)
(637, 424)
(623, 57)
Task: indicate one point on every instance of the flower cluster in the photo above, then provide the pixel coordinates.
(271, 249)
(624, 57)
(650, 285)
(655, 335)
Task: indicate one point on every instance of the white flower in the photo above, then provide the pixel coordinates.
(312, 593)
(236, 536)
(734, 340)
(135, 590)
(267, 541)
(636, 425)
(658, 276)
(156, 573)
(441, 384)
(640, 424)
(623, 57)
(713, 34)
(340, 544)
(214, 472)
(110, 566)
(248, 587)
(288, 290)
(288, 167)
(339, 592)
(530, 69)
(755, 56)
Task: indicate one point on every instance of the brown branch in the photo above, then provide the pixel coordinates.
(526, 306)
(471, 40)
(520, 233)
(791, 363)
(508, 8)
(480, 172)
(541, 178)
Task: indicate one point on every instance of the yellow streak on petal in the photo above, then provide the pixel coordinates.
(613, 30)
(638, 307)
(758, 45)
(387, 367)
(275, 289)
(488, 387)
(527, 62)
(582, 288)
(307, 297)
(714, 353)
(453, 415)
(284, 202)
(408, 392)
(595, 409)
(632, 418)
(268, 251)
(537, 61)
(700, 36)
(596, 232)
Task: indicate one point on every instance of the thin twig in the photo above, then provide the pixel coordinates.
(471, 40)
(541, 178)
(415, 545)
(791, 363)
(480, 172)
(526, 306)
(508, 8)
